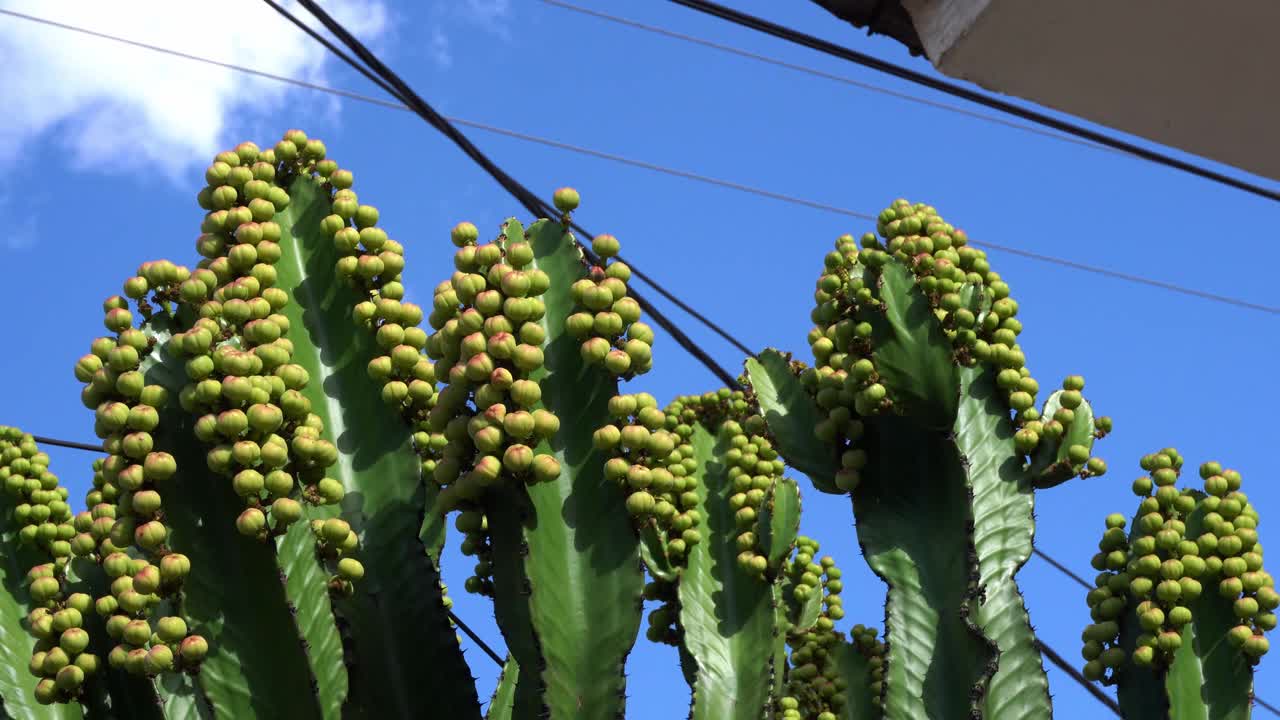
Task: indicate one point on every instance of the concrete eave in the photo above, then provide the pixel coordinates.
(1201, 77)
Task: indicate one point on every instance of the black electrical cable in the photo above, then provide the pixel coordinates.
(476, 639)
(531, 202)
(1079, 677)
(719, 47)
(67, 443)
(1053, 260)
(957, 90)
(1063, 569)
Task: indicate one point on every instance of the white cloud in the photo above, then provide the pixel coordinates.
(21, 233)
(118, 108)
(491, 16)
(440, 48)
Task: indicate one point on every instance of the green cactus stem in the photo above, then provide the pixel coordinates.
(726, 611)
(566, 565)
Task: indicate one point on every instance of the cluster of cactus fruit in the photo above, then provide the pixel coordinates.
(244, 386)
(1184, 546)
(816, 685)
(973, 310)
(285, 380)
(60, 659)
(651, 459)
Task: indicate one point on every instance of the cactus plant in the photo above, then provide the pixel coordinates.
(285, 447)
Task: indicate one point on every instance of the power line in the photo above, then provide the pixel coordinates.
(1079, 677)
(739, 187)
(821, 74)
(476, 639)
(66, 443)
(539, 208)
(1063, 569)
(696, 177)
(956, 90)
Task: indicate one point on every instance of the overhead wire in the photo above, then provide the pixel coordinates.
(791, 35)
(1072, 672)
(807, 70)
(532, 203)
(696, 177)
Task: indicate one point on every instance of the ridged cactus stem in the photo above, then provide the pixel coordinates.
(727, 622)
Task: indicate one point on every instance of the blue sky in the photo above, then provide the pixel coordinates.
(104, 149)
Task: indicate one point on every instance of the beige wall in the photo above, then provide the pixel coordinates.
(1201, 76)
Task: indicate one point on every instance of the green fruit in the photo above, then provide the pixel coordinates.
(194, 649)
(74, 641)
(251, 522)
(1245, 607)
(1256, 646)
(286, 511)
(350, 569)
(173, 568)
(566, 199)
(606, 246)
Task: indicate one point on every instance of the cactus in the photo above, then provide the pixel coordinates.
(908, 410)
(286, 442)
(1186, 595)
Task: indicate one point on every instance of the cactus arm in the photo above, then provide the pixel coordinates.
(800, 614)
(779, 521)
(912, 355)
(856, 671)
(1049, 466)
(234, 596)
(1003, 529)
(507, 512)
(1209, 678)
(726, 614)
(936, 659)
(397, 614)
(501, 705)
(791, 415)
(781, 627)
(583, 563)
(1140, 691)
(433, 529)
